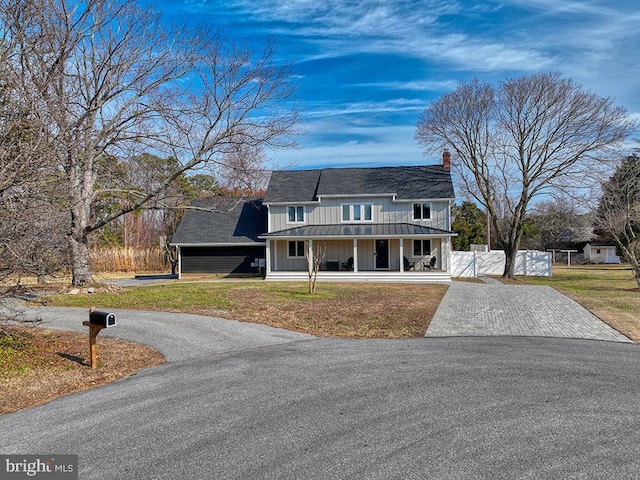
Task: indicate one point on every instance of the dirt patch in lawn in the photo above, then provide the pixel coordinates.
(374, 311)
(38, 364)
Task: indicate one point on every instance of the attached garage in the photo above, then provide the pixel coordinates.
(233, 259)
(220, 235)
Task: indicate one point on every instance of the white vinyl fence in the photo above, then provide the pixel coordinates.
(528, 262)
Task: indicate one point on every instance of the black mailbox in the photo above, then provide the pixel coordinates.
(104, 319)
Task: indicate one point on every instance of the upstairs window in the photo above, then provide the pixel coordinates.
(357, 212)
(422, 211)
(295, 214)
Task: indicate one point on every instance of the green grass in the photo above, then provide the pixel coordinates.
(183, 297)
(14, 351)
(192, 297)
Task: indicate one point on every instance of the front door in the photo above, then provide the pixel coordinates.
(382, 254)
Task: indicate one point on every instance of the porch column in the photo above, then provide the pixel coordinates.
(446, 254)
(310, 259)
(401, 255)
(355, 254)
(267, 261)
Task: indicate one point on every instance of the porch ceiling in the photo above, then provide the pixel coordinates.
(374, 230)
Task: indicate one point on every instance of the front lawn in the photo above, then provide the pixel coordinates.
(336, 310)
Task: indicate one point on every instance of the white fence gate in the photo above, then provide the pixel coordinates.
(528, 262)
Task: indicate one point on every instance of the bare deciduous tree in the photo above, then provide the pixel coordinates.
(21, 134)
(315, 256)
(32, 240)
(618, 213)
(108, 78)
(522, 139)
(32, 232)
(243, 169)
(551, 217)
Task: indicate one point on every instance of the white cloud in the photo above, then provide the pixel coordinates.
(446, 31)
(408, 28)
(389, 106)
(392, 146)
(417, 85)
(479, 54)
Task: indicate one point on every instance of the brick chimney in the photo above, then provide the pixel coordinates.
(446, 159)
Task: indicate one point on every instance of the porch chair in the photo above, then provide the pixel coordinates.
(432, 264)
(348, 265)
(408, 265)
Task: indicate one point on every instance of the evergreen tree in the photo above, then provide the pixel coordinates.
(470, 225)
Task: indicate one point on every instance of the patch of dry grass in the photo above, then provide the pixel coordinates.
(38, 365)
(374, 311)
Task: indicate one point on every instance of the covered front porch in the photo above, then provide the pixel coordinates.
(360, 253)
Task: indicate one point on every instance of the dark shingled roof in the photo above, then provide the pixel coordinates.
(293, 186)
(408, 183)
(229, 220)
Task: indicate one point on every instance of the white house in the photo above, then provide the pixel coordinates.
(371, 224)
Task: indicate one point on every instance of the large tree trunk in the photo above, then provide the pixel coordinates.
(510, 261)
(80, 201)
(80, 267)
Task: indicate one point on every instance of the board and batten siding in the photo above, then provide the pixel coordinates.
(341, 250)
(384, 210)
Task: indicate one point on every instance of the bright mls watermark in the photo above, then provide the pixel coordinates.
(50, 467)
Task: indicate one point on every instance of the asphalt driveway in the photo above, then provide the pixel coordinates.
(176, 336)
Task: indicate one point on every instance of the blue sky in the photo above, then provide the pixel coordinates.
(366, 69)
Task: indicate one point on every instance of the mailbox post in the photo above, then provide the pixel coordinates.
(97, 321)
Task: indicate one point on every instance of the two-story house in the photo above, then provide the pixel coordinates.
(370, 224)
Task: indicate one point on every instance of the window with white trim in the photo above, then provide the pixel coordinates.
(295, 214)
(296, 249)
(422, 211)
(357, 212)
(421, 248)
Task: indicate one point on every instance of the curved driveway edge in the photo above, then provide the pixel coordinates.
(474, 309)
(176, 336)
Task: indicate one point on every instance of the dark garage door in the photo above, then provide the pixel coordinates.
(220, 259)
